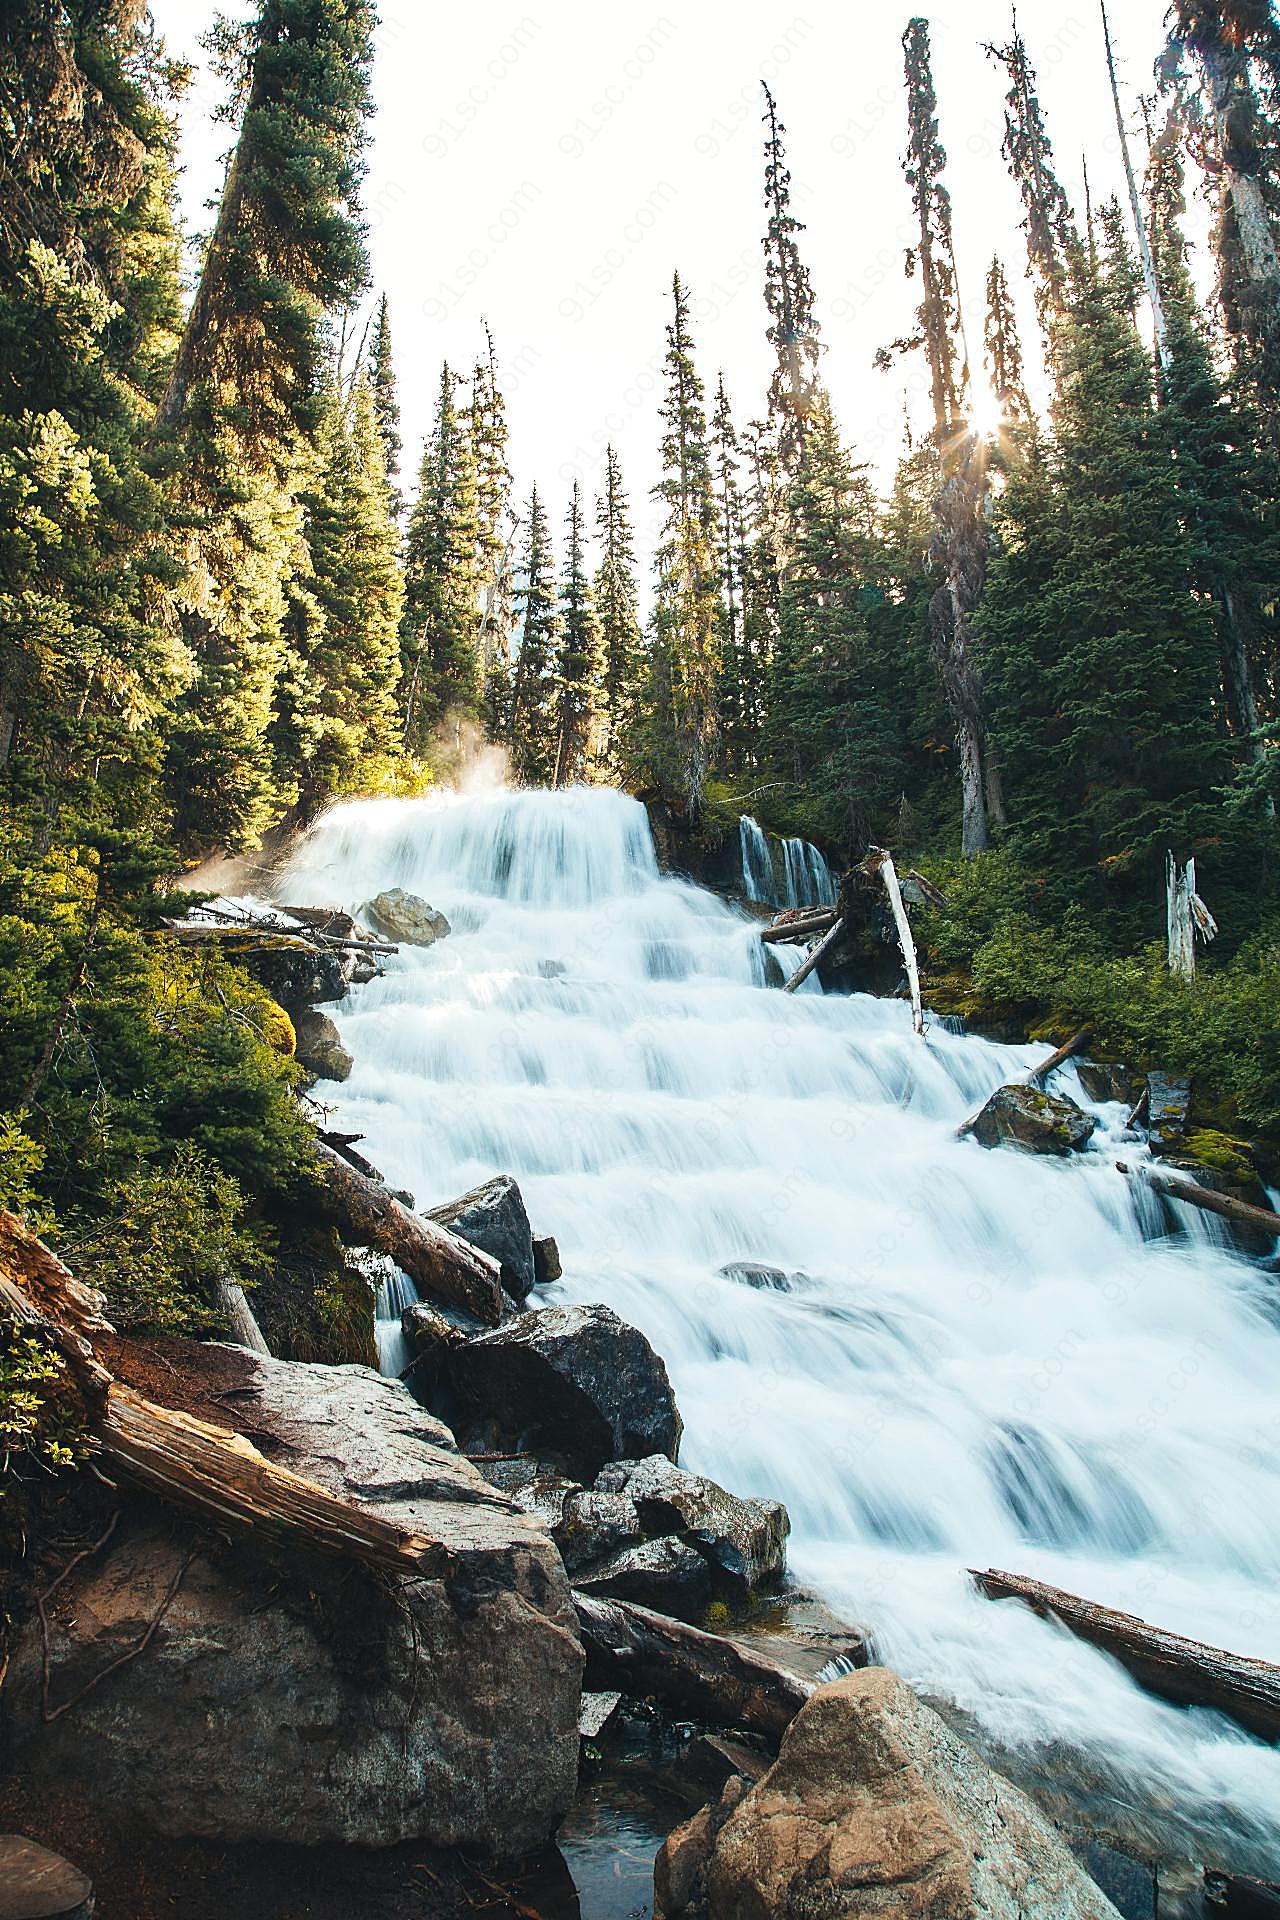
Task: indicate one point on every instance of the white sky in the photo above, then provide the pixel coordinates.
(547, 168)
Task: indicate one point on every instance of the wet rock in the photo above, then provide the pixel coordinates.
(320, 1049)
(592, 1525)
(680, 1870)
(572, 1384)
(1033, 1122)
(802, 1633)
(297, 980)
(1108, 1080)
(1168, 1104)
(1252, 1240)
(875, 1801)
(754, 1273)
(668, 1575)
(430, 1332)
(493, 1218)
(308, 1700)
(744, 1540)
(552, 969)
(403, 916)
(595, 1713)
(546, 1261)
(36, 1884)
(710, 1761)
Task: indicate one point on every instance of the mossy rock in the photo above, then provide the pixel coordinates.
(1222, 1154)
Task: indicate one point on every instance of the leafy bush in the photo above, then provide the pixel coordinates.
(168, 1237)
(38, 1420)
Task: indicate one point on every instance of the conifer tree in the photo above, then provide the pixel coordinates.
(1054, 250)
(381, 375)
(533, 729)
(732, 696)
(960, 547)
(338, 721)
(494, 524)
(440, 626)
(794, 389)
(1227, 478)
(577, 666)
(1224, 56)
(245, 391)
(1004, 349)
(617, 601)
(1101, 660)
(684, 652)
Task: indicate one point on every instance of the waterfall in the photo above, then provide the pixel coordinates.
(970, 1358)
(806, 878)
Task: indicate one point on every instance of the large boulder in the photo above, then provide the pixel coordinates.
(1168, 1105)
(285, 1697)
(403, 916)
(667, 1574)
(1033, 1122)
(743, 1540)
(319, 1046)
(297, 979)
(493, 1218)
(872, 1808)
(574, 1385)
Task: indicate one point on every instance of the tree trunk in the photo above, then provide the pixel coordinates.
(641, 1652)
(1067, 1051)
(1240, 1212)
(879, 861)
(974, 837)
(1184, 1671)
(245, 1330)
(439, 1262)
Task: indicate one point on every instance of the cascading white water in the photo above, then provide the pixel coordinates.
(977, 1359)
(806, 878)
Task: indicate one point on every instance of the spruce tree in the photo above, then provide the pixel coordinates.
(1228, 480)
(960, 547)
(577, 667)
(732, 696)
(1004, 349)
(245, 392)
(494, 528)
(681, 724)
(794, 389)
(1224, 57)
(1101, 660)
(381, 375)
(1054, 250)
(338, 721)
(533, 737)
(617, 601)
(439, 630)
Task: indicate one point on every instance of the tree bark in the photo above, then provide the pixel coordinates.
(879, 861)
(642, 1652)
(1240, 1212)
(1185, 1671)
(801, 927)
(439, 1262)
(1067, 1051)
(245, 1330)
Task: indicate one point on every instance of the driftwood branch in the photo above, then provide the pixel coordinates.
(1184, 1671)
(1240, 1212)
(879, 863)
(440, 1263)
(642, 1652)
(824, 946)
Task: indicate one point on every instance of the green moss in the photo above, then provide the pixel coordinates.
(1224, 1155)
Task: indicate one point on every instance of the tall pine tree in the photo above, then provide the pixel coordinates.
(381, 375)
(533, 736)
(440, 627)
(577, 669)
(617, 602)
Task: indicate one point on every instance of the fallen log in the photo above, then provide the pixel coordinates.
(240, 1317)
(824, 946)
(641, 1652)
(1059, 1056)
(1186, 1672)
(1240, 1212)
(219, 1474)
(439, 1262)
(799, 928)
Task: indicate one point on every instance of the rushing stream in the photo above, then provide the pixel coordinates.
(979, 1359)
